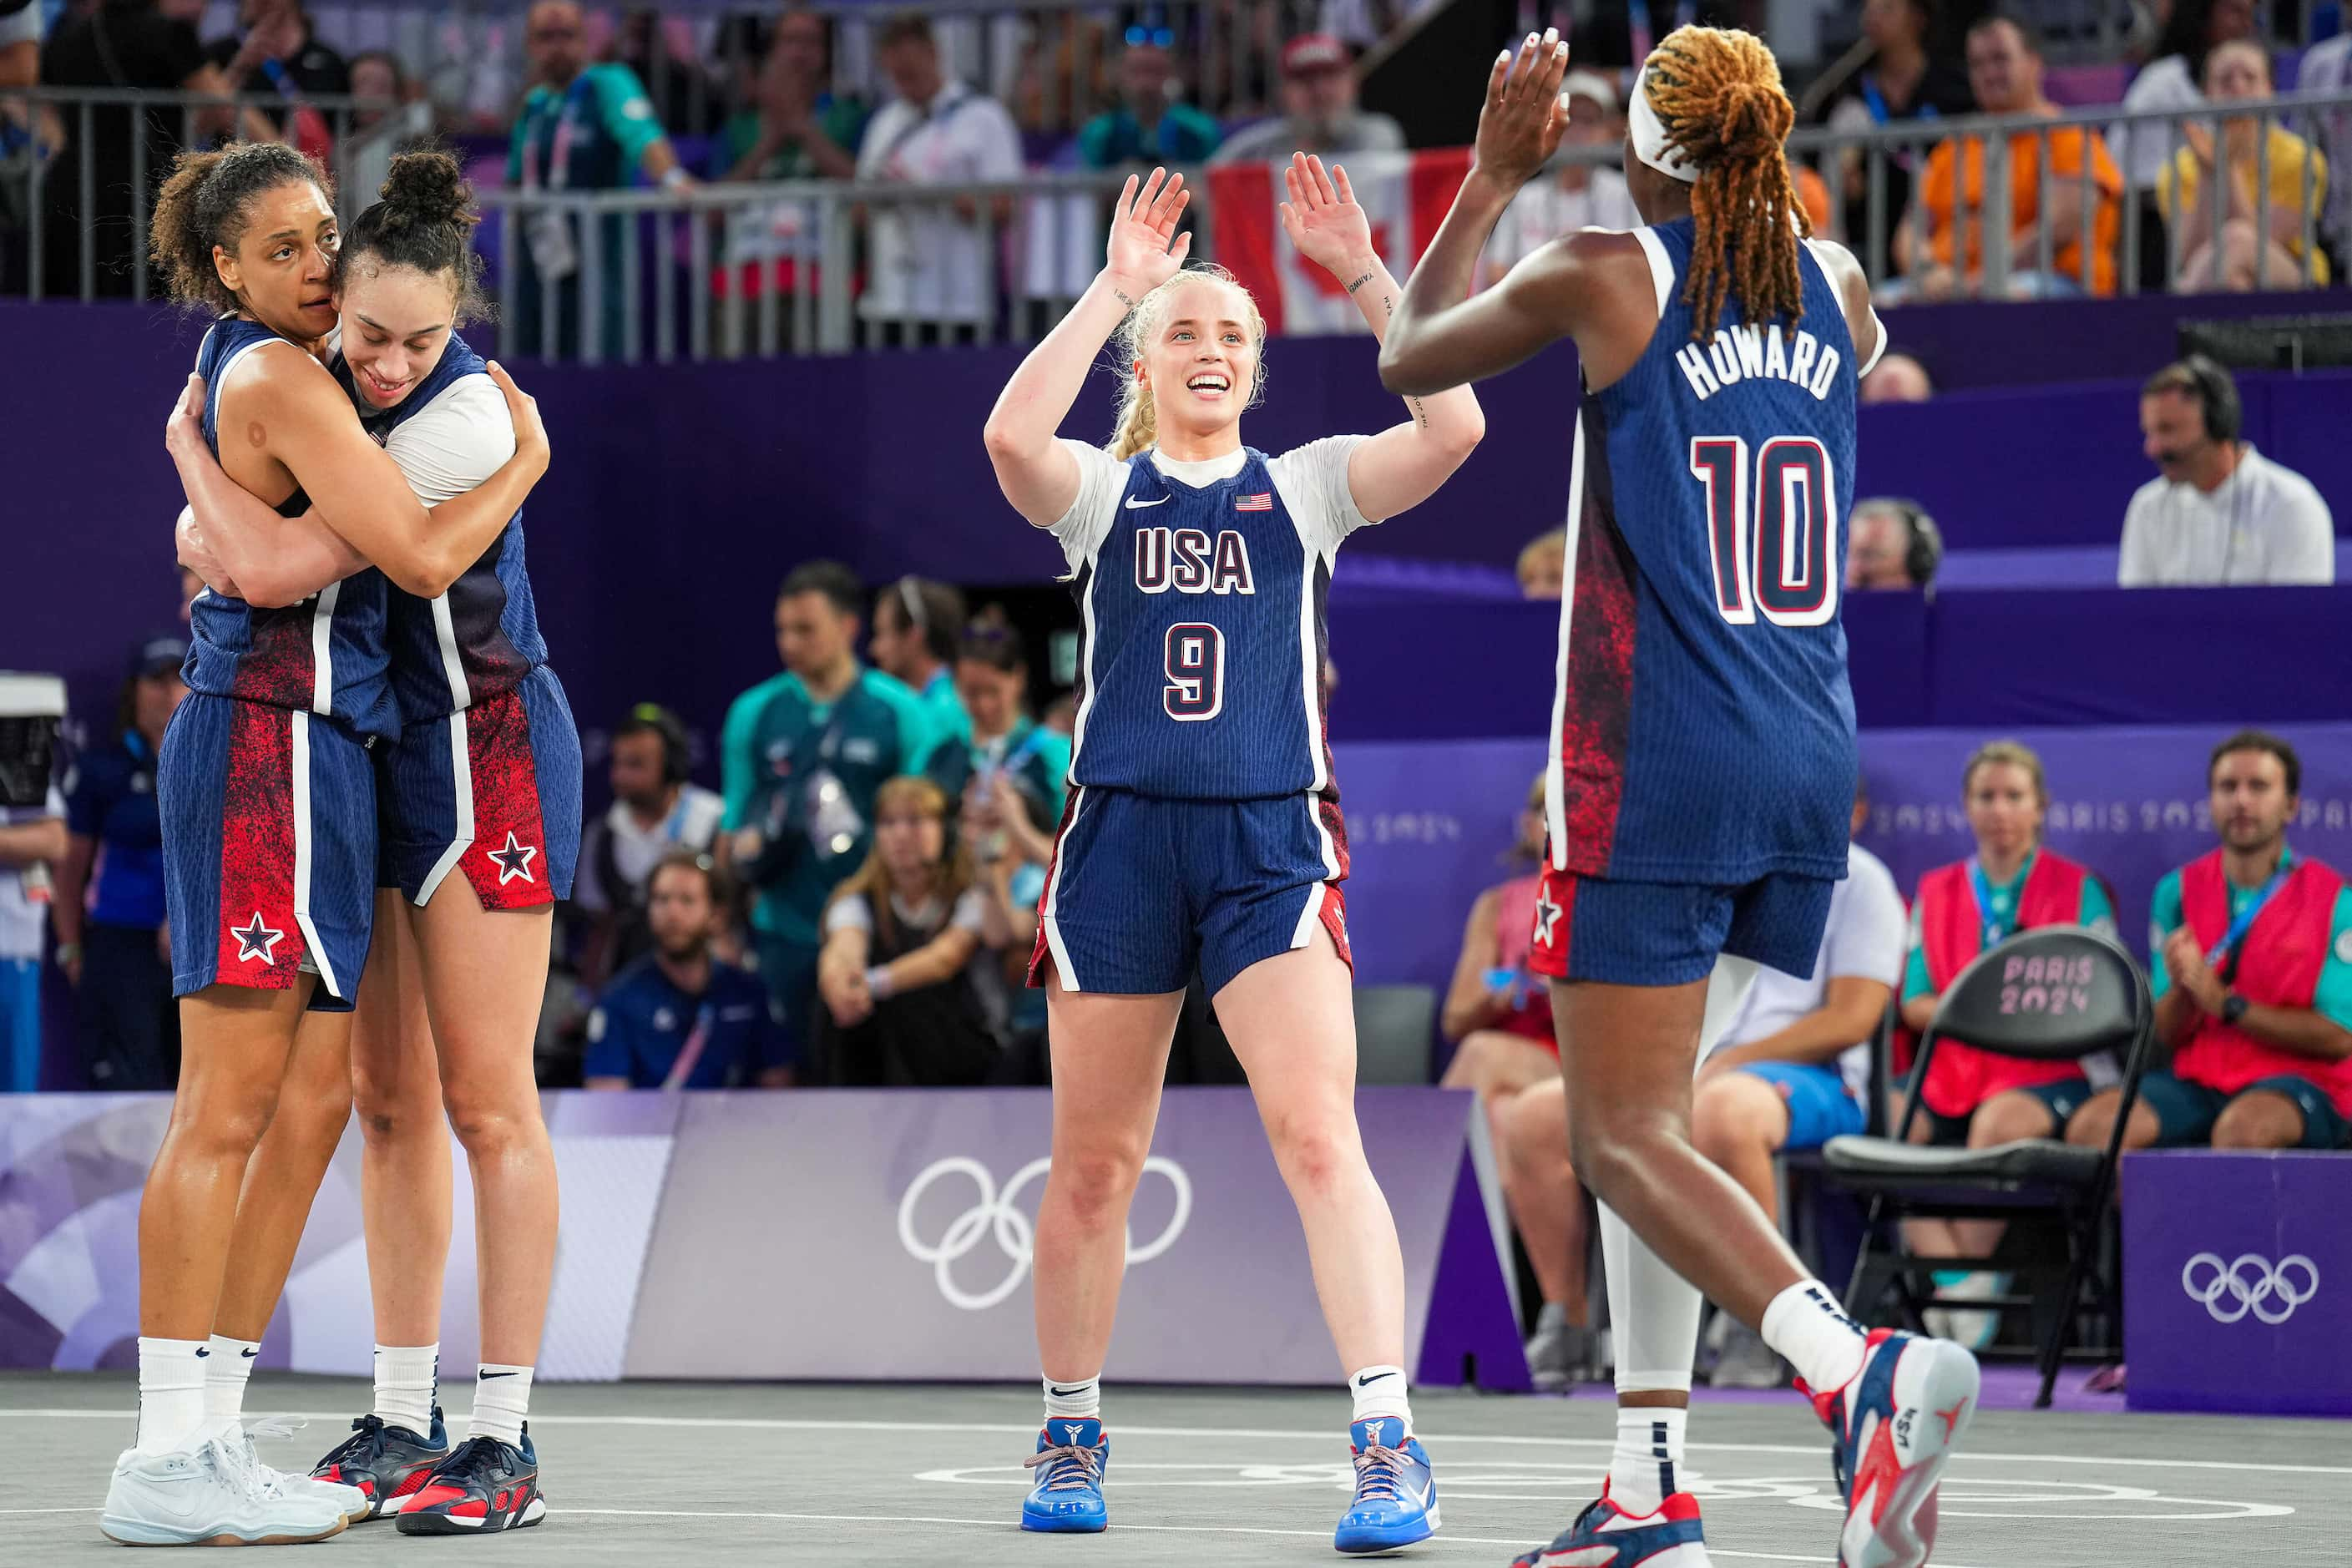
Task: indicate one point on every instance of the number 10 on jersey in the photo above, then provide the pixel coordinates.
(1775, 556)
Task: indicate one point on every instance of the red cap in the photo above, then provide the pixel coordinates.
(1311, 52)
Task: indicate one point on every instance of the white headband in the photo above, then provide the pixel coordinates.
(1650, 136)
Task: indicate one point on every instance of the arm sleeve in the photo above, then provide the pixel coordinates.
(1915, 981)
(457, 443)
(85, 811)
(1867, 941)
(996, 143)
(738, 770)
(2164, 918)
(1313, 481)
(607, 1054)
(628, 115)
(848, 914)
(2136, 566)
(2306, 535)
(1102, 479)
(2332, 1000)
(971, 913)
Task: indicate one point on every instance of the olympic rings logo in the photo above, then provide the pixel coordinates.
(2251, 1284)
(996, 1212)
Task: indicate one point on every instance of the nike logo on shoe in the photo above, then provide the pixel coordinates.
(1132, 503)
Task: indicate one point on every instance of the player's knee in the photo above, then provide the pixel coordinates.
(2259, 1121)
(487, 1123)
(315, 1113)
(1092, 1183)
(1316, 1151)
(230, 1124)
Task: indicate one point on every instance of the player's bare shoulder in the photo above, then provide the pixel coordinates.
(1853, 291)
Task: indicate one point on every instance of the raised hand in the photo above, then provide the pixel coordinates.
(1521, 126)
(1140, 250)
(1324, 219)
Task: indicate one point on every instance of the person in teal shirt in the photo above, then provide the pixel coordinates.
(1150, 126)
(918, 627)
(802, 758)
(582, 128)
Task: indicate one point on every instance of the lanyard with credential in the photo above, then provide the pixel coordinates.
(2226, 950)
(559, 152)
(1997, 927)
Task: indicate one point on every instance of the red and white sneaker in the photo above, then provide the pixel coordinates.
(1892, 1429)
(1605, 1536)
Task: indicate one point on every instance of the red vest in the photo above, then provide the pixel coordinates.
(1951, 933)
(1515, 933)
(2280, 958)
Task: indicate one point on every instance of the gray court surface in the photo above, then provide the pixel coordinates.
(673, 1473)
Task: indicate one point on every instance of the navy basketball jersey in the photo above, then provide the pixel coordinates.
(326, 655)
(1201, 589)
(481, 637)
(1702, 729)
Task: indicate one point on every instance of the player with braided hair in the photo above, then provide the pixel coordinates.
(1703, 749)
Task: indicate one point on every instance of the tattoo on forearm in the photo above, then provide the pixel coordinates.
(1360, 282)
(1125, 303)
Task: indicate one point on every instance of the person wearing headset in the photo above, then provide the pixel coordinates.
(2219, 511)
(655, 809)
(1892, 542)
(918, 633)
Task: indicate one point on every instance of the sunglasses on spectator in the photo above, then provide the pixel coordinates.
(1162, 36)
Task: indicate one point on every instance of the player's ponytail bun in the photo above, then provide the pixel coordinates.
(1719, 97)
(426, 221)
(203, 203)
(1139, 416)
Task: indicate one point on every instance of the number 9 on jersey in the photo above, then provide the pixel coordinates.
(1196, 671)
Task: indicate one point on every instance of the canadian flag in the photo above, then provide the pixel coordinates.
(1404, 194)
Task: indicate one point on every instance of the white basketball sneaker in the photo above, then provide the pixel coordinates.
(211, 1495)
(350, 1500)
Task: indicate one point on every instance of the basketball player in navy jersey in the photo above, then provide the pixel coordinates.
(480, 816)
(1702, 751)
(268, 796)
(1202, 830)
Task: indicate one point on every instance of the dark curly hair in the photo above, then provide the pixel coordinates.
(425, 220)
(206, 201)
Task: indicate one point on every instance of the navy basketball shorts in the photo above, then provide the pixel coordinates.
(268, 848)
(492, 790)
(1670, 933)
(1142, 891)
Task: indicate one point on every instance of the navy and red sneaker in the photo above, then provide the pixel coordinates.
(1606, 1536)
(1892, 1430)
(485, 1484)
(388, 1464)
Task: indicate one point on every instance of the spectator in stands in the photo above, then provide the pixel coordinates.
(1003, 747)
(1320, 112)
(1065, 74)
(679, 1017)
(930, 272)
(2193, 29)
(794, 128)
(1890, 542)
(655, 809)
(1905, 79)
(2013, 882)
(1791, 1069)
(1151, 124)
(902, 937)
(32, 841)
(391, 117)
(113, 941)
(114, 45)
(918, 632)
(583, 127)
(275, 50)
(2327, 69)
(2243, 256)
(20, 122)
(2250, 954)
(803, 759)
(1898, 378)
(2005, 69)
(1580, 195)
(1543, 565)
(686, 100)
(2219, 511)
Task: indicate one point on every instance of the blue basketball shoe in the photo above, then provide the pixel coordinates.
(1068, 1493)
(1605, 1536)
(1892, 1430)
(1396, 1495)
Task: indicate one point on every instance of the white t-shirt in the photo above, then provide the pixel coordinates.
(2264, 523)
(21, 919)
(692, 821)
(453, 444)
(927, 264)
(1542, 212)
(2145, 149)
(1311, 479)
(1866, 938)
(852, 913)
(2327, 67)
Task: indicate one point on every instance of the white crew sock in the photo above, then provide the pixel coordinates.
(1806, 1324)
(501, 1399)
(407, 1380)
(1649, 1453)
(170, 1393)
(225, 1370)
(1380, 1390)
(1074, 1401)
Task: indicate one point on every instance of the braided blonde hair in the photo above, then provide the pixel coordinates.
(1138, 414)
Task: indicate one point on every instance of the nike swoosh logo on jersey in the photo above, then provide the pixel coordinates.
(1132, 503)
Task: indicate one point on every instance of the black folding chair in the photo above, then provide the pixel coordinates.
(2051, 994)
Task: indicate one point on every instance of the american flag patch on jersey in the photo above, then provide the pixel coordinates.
(1261, 502)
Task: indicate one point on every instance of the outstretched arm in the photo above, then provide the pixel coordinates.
(1401, 467)
(1035, 474)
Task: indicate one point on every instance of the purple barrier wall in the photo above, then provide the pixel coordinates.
(2017, 344)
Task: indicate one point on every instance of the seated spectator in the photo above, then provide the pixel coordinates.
(1890, 542)
(794, 129)
(1004, 746)
(2327, 69)
(2012, 883)
(1791, 1069)
(390, 117)
(1898, 378)
(1320, 110)
(2193, 29)
(930, 270)
(1906, 78)
(655, 809)
(2250, 955)
(32, 841)
(2219, 511)
(902, 937)
(918, 625)
(275, 50)
(1543, 565)
(678, 1017)
(1580, 197)
(114, 942)
(2005, 69)
(1151, 123)
(1497, 1011)
(2242, 258)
